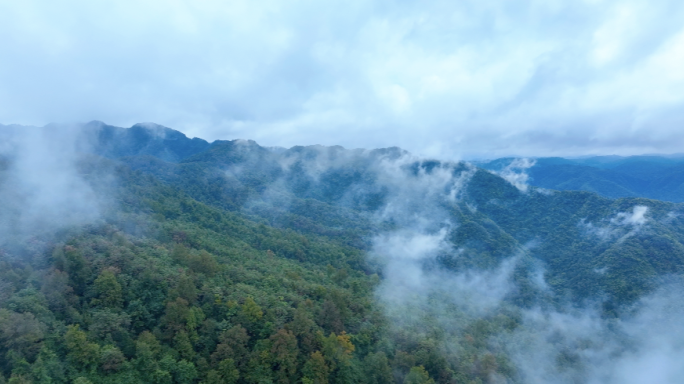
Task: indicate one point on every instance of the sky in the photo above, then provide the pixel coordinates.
(455, 79)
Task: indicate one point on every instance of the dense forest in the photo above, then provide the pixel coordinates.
(142, 256)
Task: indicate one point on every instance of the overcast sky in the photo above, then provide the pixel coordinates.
(448, 78)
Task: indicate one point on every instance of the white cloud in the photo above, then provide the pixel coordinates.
(624, 224)
(516, 173)
(636, 218)
(42, 187)
(643, 347)
(469, 78)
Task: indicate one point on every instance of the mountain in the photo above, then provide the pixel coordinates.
(654, 177)
(140, 255)
(143, 139)
(115, 142)
(333, 192)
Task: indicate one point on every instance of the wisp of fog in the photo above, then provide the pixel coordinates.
(42, 187)
(554, 341)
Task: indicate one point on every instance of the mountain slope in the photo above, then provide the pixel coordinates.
(165, 259)
(339, 194)
(143, 139)
(610, 176)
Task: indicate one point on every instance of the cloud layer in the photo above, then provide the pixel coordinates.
(455, 79)
(42, 187)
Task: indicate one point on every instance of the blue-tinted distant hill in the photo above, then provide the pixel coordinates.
(654, 177)
(144, 139)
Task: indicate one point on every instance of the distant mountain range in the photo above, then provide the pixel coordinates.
(649, 176)
(653, 177)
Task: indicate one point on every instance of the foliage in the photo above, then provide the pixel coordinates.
(200, 273)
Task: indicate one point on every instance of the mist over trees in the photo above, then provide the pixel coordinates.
(142, 256)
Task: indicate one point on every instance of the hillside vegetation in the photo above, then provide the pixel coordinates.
(228, 262)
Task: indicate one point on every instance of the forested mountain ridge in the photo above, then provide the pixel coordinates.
(655, 177)
(150, 139)
(113, 142)
(347, 187)
(167, 259)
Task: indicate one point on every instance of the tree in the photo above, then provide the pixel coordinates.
(418, 375)
(82, 353)
(259, 367)
(57, 290)
(337, 350)
(109, 323)
(250, 311)
(226, 373)
(250, 316)
(148, 339)
(111, 358)
(20, 333)
(185, 372)
(330, 318)
(232, 345)
(377, 369)
(47, 368)
(77, 268)
(488, 365)
(203, 262)
(144, 361)
(19, 379)
(303, 327)
(182, 344)
(316, 371)
(108, 290)
(176, 315)
(284, 352)
(185, 288)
